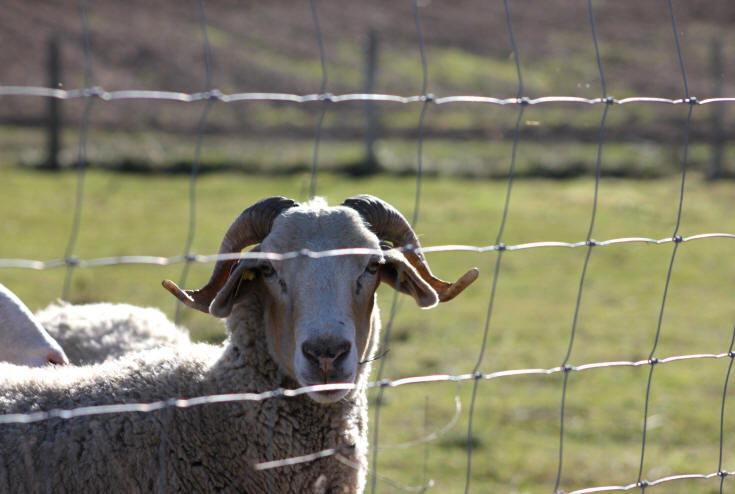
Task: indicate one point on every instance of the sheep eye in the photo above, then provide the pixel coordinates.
(267, 270)
(373, 266)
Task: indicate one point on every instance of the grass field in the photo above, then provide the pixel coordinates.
(516, 421)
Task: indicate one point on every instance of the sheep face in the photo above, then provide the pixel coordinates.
(319, 313)
(23, 341)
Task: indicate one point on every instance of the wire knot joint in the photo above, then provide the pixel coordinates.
(71, 261)
(213, 94)
(97, 91)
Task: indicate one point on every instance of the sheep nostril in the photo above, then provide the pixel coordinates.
(342, 350)
(54, 358)
(324, 353)
(310, 352)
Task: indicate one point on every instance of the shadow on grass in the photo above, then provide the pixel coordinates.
(365, 168)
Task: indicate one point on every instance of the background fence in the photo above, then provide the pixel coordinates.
(592, 407)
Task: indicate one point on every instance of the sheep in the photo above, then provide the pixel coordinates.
(93, 333)
(290, 322)
(79, 334)
(23, 340)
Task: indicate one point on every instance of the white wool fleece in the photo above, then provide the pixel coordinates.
(207, 448)
(93, 333)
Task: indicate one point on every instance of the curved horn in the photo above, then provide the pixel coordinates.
(389, 224)
(251, 227)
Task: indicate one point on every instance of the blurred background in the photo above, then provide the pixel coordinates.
(135, 196)
(372, 47)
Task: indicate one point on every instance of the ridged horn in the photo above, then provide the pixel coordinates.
(251, 227)
(389, 224)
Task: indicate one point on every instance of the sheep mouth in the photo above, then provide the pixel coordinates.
(328, 396)
(329, 390)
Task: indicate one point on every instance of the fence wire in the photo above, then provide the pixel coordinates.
(210, 95)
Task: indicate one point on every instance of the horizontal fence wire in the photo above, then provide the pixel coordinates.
(210, 95)
(99, 410)
(25, 418)
(41, 265)
(102, 94)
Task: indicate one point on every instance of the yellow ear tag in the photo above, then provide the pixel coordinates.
(247, 275)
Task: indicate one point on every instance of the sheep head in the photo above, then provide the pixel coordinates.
(23, 341)
(319, 311)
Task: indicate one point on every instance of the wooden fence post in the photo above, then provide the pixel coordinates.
(54, 106)
(718, 110)
(370, 163)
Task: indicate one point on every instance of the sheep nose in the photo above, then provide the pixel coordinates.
(325, 352)
(56, 358)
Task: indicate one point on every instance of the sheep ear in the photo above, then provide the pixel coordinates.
(399, 274)
(241, 281)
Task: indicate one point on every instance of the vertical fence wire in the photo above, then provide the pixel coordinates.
(381, 388)
(325, 99)
(82, 153)
(427, 427)
(590, 244)
(195, 168)
(674, 27)
(166, 419)
(677, 241)
(501, 248)
(427, 99)
(193, 180)
(593, 30)
(208, 61)
(720, 472)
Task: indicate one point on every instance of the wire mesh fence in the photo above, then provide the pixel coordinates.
(565, 372)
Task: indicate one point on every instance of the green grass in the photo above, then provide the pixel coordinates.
(516, 419)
